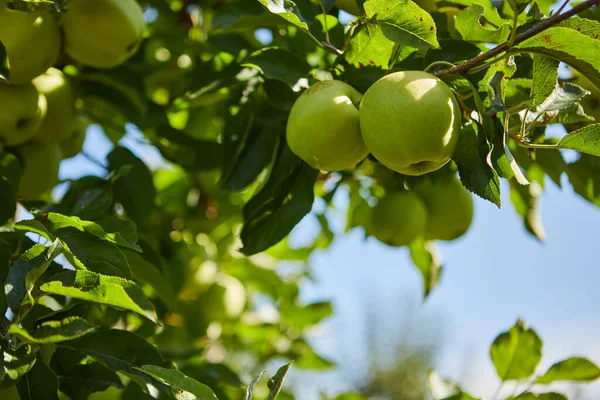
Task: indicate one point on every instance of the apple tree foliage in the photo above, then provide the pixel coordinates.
(105, 285)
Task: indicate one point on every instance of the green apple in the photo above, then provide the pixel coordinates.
(32, 41)
(350, 6)
(323, 127)
(450, 208)
(73, 145)
(410, 122)
(103, 42)
(39, 164)
(224, 300)
(22, 112)
(398, 219)
(58, 124)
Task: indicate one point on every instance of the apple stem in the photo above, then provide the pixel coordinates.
(542, 26)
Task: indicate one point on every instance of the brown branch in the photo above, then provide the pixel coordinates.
(542, 26)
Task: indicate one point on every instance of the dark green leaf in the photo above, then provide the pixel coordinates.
(89, 198)
(403, 22)
(191, 154)
(148, 273)
(41, 383)
(428, 260)
(526, 199)
(178, 381)
(516, 353)
(584, 175)
(279, 64)
(471, 158)
(110, 290)
(135, 191)
(574, 369)
(545, 75)
(584, 140)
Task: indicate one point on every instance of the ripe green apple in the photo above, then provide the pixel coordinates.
(73, 145)
(32, 41)
(224, 300)
(398, 219)
(350, 6)
(103, 42)
(22, 110)
(410, 122)
(323, 127)
(450, 208)
(58, 124)
(39, 164)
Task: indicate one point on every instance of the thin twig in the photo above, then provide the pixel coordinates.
(562, 7)
(325, 22)
(542, 26)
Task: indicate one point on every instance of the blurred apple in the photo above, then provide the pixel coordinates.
(39, 164)
(74, 144)
(22, 110)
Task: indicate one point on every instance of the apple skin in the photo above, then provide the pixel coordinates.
(58, 124)
(39, 166)
(398, 219)
(410, 122)
(224, 300)
(73, 145)
(450, 208)
(22, 111)
(103, 42)
(323, 128)
(349, 6)
(32, 41)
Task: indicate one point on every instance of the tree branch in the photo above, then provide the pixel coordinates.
(542, 26)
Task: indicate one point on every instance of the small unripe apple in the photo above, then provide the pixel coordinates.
(350, 6)
(73, 145)
(32, 41)
(323, 127)
(58, 124)
(39, 168)
(398, 219)
(224, 300)
(104, 42)
(22, 110)
(410, 122)
(450, 208)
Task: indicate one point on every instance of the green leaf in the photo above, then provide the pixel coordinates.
(287, 10)
(552, 163)
(541, 396)
(584, 175)
(281, 204)
(85, 251)
(560, 100)
(276, 382)
(24, 273)
(190, 153)
(135, 191)
(585, 140)
(149, 273)
(574, 369)
(8, 201)
(427, 259)
(526, 199)
(545, 75)
(251, 386)
(471, 159)
(119, 350)
(368, 46)
(557, 43)
(403, 22)
(303, 316)
(96, 288)
(89, 198)
(180, 382)
(41, 383)
(468, 24)
(53, 331)
(279, 64)
(516, 353)
(443, 389)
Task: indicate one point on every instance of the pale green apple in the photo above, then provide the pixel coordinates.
(323, 127)
(398, 219)
(32, 41)
(410, 122)
(103, 33)
(224, 300)
(450, 208)
(22, 111)
(39, 165)
(58, 124)
(350, 6)
(73, 145)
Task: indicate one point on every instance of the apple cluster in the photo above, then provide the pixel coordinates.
(410, 122)
(39, 121)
